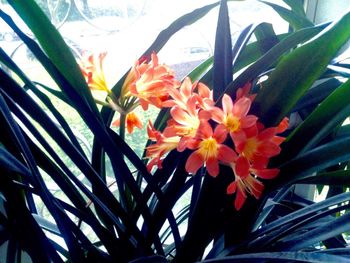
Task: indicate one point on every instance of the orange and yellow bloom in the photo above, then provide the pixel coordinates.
(226, 135)
(234, 116)
(91, 67)
(131, 121)
(150, 82)
(209, 150)
(162, 146)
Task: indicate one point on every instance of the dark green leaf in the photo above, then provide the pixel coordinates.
(321, 122)
(282, 257)
(297, 6)
(271, 57)
(341, 177)
(296, 20)
(54, 46)
(222, 68)
(297, 71)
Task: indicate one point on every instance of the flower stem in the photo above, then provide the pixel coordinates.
(128, 196)
(122, 125)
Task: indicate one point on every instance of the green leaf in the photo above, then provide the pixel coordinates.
(297, 71)
(296, 20)
(311, 257)
(271, 57)
(222, 68)
(321, 122)
(328, 230)
(54, 46)
(341, 177)
(315, 160)
(317, 94)
(297, 6)
(266, 36)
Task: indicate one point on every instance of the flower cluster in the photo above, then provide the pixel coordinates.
(226, 135)
(145, 84)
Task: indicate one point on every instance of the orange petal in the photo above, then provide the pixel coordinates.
(204, 129)
(227, 104)
(212, 166)
(257, 187)
(278, 140)
(179, 115)
(220, 133)
(186, 87)
(267, 173)
(132, 121)
(116, 123)
(259, 161)
(283, 125)
(267, 134)
(203, 90)
(242, 167)
(241, 107)
(194, 162)
(248, 121)
(240, 199)
(226, 154)
(217, 114)
(204, 114)
(268, 149)
(232, 187)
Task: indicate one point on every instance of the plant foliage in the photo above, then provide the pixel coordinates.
(112, 207)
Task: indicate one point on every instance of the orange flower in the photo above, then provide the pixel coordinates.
(261, 144)
(209, 150)
(91, 67)
(131, 121)
(246, 181)
(163, 145)
(181, 96)
(150, 82)
(234, 116)
(185, 122)
(244, 92)
(255, 149)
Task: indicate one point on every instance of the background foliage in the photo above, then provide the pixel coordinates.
(90, 221)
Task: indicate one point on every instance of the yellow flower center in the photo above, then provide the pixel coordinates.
(208, 148)
(232, 123)
(193, 124)
(191, 127)
(250, 147)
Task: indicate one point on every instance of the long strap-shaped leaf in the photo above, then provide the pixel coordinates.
(10, 63)
(330, 229)
(302, 213)
(341, 177)
(321, 122)
(271, 57)
(60, 216)
(222, 69)
(311, 257)
(54, 46)
(314, 160)
(65, 184)
(298, 70)
(296, 20)
(26, 103)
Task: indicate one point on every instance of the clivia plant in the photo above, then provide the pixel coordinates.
(230, 143)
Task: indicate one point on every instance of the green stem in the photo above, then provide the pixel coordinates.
(122, 125)
(101, 102)
(128, 195)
